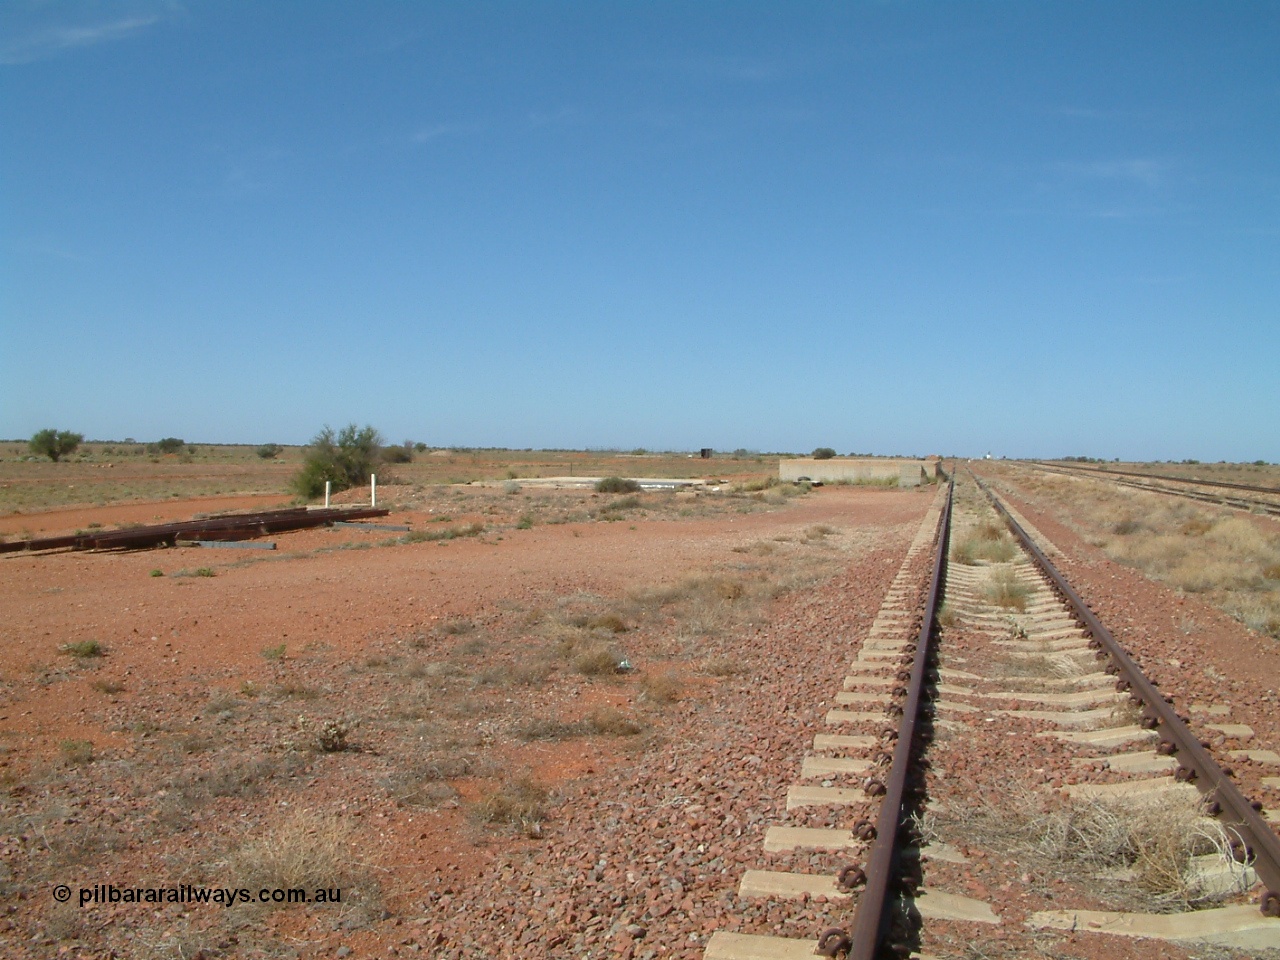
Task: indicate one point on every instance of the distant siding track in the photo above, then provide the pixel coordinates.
(1153, 483)
(899, 695)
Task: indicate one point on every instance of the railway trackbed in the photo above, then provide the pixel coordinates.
(996, 775)
(1238, 496)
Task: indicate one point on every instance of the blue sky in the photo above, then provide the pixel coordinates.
(1032, 228)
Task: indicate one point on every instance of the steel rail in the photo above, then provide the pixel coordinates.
(1195, 763)
(240, 526)
(1107, 472)
(871, 920)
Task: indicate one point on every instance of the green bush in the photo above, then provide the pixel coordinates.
(269, 451)
(617, 485)
(345, 459)
(823, 453)
(398, 454)
(55, 444)
(167, 445)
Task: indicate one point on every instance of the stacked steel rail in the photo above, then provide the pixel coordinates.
(1259, 842)
(237, 526)
(1144, 481)
(873, 931)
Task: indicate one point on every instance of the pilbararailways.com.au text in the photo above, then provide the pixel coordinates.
(109, 893)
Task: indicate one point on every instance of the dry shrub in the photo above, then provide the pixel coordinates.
(546, 728)
(76, 751)
(612, 722)
(665, 687)
(308, 850)
(608, 621)
(986, 542)
(530, 673)
(818, 532)
(1004, 589)
(596, 660)
(519, 802)
(1152, 841)
(724, 667)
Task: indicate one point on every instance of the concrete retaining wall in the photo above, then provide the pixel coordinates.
(908, 473)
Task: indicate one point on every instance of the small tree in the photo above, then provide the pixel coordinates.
(344, 459)
(398, 454)
(55, 444)
(823, 453)
(269, 451)
(167, 445)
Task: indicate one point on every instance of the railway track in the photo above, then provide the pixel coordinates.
(985, 698)
(1153, 483)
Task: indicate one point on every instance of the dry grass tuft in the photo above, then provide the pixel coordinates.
(520, 802)
(596, 660)
(1004, 589)
(308, 850)
(988, 542)
(1148, 847)
(665, 687)
(724, 667)
(76, 751)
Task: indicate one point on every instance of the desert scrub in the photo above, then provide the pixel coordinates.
(83, 649)
(307, 850)
(76, 751)
(617, 485)
(324, 736)
(665, 687)
(986, 542)
(1004, 589)
(520, 802)
(473, 529)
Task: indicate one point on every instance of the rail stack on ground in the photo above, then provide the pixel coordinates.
(238, 526)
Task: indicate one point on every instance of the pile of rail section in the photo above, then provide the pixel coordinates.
(233, 526)
(1261, 846)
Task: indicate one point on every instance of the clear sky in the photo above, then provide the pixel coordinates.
(1032, 228)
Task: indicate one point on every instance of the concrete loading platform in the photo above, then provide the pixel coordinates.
(866, 470)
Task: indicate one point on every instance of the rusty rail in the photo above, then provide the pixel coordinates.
(236, 526)
(1195, 764)
(871, 922)
(1151, 485)
(1108, 472)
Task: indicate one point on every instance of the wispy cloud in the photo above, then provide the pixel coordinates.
(1149, 173)
(47, 42)
(437, 131)
(53, 251)
(716, 67)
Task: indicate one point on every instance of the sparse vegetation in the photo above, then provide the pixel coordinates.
(167, 445)
(76, 751)
(275, 652)
(664, 687)
(83, 649)
(307, 850)
(518, 802)
(989, 542)
(1004, 589)
(617, 485)
(344, 459)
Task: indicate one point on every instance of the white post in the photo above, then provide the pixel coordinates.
(327, 485)
(373, 489)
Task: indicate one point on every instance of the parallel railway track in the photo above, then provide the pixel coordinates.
(880, 769)
(1155, 483)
